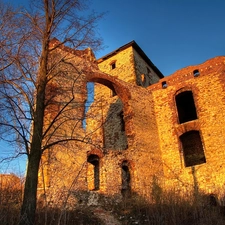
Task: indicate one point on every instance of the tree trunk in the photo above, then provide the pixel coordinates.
(28, 209)
(30, 190)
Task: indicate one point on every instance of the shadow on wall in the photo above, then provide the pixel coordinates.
(114, 128)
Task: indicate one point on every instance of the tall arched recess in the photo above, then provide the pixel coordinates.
(185, 106)
(117, 125)
(93, 172)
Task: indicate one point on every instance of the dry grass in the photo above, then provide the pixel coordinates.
(168, 209)
(171, 209)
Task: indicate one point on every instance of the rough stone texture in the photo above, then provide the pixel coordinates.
(208, 93)
(129, 67)
(62, 166)
(145, 75)
(146, 138)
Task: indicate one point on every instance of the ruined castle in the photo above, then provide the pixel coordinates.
(143, 130)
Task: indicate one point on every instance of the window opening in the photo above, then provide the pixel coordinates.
(192, 148)
(164, 84)
(90, 99)
(196, 73)
(113, 65)
(125, 175)
(186, 107)
(122, 121)
(94, 160)
(143, 79)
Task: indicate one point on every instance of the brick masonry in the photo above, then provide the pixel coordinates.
(133, 128)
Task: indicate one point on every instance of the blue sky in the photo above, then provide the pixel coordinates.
(173, 33)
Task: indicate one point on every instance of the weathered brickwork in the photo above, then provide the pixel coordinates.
(145, 75)
(143, 131)
(130, 65)
(208, 94)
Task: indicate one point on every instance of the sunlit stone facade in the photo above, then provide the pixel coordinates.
(143, 131)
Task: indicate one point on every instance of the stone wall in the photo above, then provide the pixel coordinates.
(133, 138)
(154, 148)
(142, 153)
(63, 166)
(208, 94)
(145, 75)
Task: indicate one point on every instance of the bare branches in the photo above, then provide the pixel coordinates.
(42, 85)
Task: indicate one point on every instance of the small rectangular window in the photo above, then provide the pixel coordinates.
(164, 84)
(196, 73)
(113, 65)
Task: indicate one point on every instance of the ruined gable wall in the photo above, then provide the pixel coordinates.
(124, 69)
(63, 167)
(208, 93)
(145, 75)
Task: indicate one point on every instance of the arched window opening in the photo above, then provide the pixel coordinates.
(186, 107)
(192, 148)
(125, 175)
(93, 172)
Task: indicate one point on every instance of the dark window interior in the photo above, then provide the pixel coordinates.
(186, 107)
(125, 180)
(94, 160)
(192, 148)
(196, 73)
(164, 84)
(113, 65)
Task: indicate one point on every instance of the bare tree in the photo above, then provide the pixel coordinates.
(36, 105)
(9, 35)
